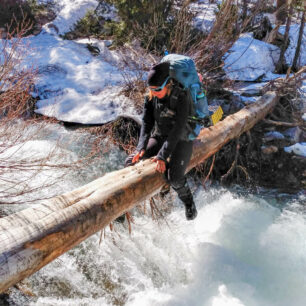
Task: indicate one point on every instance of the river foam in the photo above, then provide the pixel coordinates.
(241, 250)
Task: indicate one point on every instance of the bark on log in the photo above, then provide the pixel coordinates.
(32, 238)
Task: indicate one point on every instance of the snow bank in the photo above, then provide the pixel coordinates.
(72, 84)
(250, 59)
(293, 36)
(86, 108)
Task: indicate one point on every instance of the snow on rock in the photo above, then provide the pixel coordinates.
(250, 59)
(111, 57)
(297, 149)
(248, 100)
(248, 90)
(293, 36)
(269, 76)
(204, 14)
(68, 13)
(293, 134)
(304, 117)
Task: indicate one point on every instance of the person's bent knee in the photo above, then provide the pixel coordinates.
(177, 184)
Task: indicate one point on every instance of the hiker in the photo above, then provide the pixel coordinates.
(164, 133)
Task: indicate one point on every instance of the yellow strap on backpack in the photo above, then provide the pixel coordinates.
(217, 115)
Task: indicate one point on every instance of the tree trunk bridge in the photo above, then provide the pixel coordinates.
(32, 238)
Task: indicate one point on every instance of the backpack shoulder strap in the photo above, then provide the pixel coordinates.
(175, 93)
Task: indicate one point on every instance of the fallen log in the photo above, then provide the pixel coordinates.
(32, 238)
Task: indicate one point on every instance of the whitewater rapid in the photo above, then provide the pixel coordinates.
(242, 249)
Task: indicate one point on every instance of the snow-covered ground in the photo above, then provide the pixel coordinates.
(68, 13)
(73, 85)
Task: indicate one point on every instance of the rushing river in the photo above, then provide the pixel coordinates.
(242, 249)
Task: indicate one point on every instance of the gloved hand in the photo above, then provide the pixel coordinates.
(160, 165)
(138, 156)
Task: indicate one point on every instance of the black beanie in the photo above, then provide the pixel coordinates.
(158, 74)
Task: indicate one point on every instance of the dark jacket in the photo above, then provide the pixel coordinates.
(166, 118)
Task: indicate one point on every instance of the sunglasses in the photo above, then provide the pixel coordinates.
(158, 89)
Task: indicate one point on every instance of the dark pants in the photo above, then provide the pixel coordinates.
(176, 168)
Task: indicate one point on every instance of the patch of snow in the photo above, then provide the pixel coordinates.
(248, 100)
(68, 13)
(85, 108)
(249, 90)
(105, 54)
(205, 14)
(297, 149)
(73, 85)
(250, 59)
(293, 36)
(304, 117)
(107, 11)
(302, 89)
(269, 76)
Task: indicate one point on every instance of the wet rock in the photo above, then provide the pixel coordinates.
(273, 135)
(269, 149)
(54, 27)
(293, 134)
(248, 100)
(93, 49)
(262, 29)
(292, 180)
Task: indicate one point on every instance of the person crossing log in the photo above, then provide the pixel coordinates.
(32, 238)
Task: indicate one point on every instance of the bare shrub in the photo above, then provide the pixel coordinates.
(209, 52)
(25, 169)
(14, 15)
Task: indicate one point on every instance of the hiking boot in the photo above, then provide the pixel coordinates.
(191, 211)
(186, 197)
